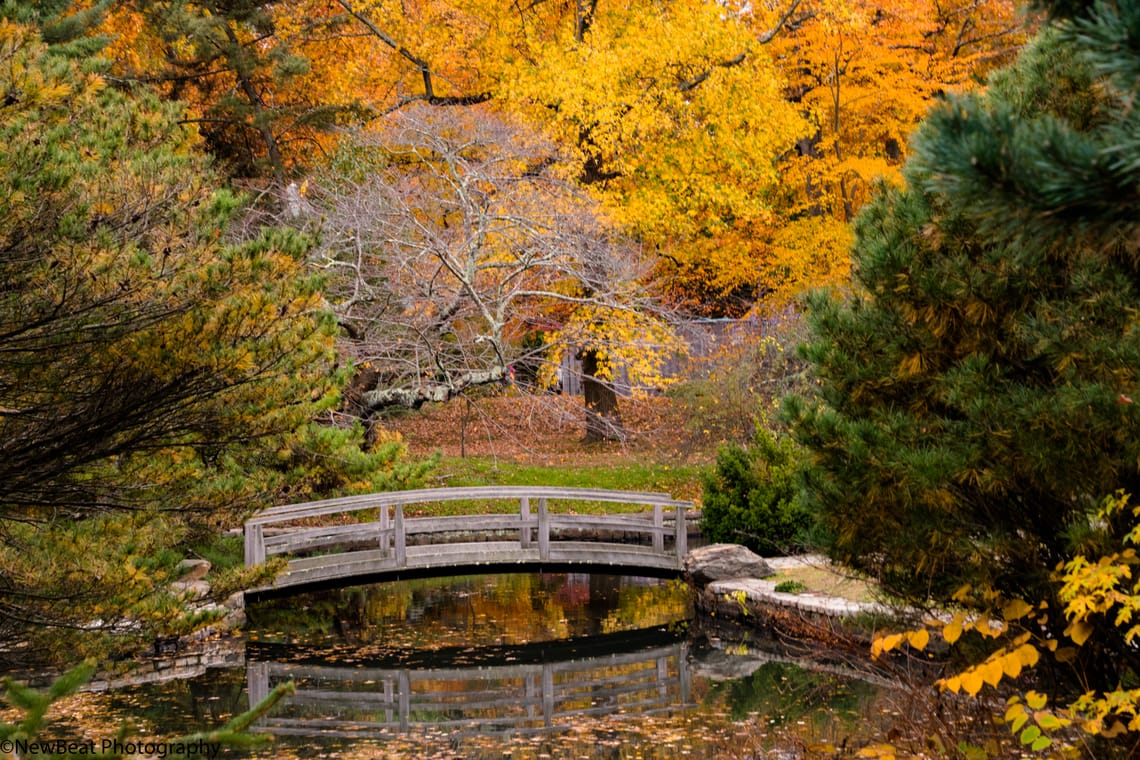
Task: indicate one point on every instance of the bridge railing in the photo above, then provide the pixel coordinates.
(533, 523)
(341, 701)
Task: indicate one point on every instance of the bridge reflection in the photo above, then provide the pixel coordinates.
(497, 690)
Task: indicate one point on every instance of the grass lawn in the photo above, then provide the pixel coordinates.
(823, 579)
(681, 481)
(519, 441)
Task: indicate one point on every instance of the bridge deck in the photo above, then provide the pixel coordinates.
(377, 548)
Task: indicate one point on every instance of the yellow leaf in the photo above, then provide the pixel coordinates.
(1079, 631)
(918, 639)
(1035, 700)
(1027, 655)
(1016, 610)
(953, 630)
(1016, 717)
(892, 642)
(972, 681)
(1011, 665)
(992, 671)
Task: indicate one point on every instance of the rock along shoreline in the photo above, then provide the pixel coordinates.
(731, 584)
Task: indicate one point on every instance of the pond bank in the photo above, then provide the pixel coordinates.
(755, 603)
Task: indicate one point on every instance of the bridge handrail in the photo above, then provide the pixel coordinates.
(329, 535)
(286, 512)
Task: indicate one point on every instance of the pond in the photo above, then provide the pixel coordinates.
(519, 666)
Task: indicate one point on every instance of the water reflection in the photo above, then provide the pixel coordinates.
(424, 615)
(517, 666)
(489, 655)
(557, 688)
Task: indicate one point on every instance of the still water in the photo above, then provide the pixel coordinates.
(515, 666)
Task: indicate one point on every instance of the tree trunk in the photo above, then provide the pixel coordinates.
(603, 420)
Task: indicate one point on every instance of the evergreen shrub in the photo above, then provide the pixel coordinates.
(752, 496)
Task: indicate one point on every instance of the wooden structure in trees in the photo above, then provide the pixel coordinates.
(367, 538)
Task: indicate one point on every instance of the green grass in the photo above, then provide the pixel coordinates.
(680, 481)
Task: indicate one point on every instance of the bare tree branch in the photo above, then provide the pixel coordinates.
(456, 254)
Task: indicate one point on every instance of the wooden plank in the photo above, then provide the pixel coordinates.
(254, 545)
(543, 530)
(461, 524)
(430, 495)
(680, 534)
(524, 520)
(400, 537)
(658, 529)
(486, 553)
(386, 535)
(626, 523)
(314, 538)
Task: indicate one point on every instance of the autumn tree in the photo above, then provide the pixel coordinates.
(670, 112)
(269, 84)
(246, 70)
(155, 381)
(863, 74)
(451, 241)
(976, 397)
(675, 119)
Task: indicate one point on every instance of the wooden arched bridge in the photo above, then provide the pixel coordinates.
(367, 538)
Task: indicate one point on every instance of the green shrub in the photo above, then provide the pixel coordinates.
(752, 495)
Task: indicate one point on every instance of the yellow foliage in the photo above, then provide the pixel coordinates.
(1091, 591)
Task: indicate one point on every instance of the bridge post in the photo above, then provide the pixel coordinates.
(683, 673)
(404, 688)
(257, 681)
(254, 545)
(658, 530)
(524, 517)
(547, 694)
(385, 539)
(543, 530)
(681, 534)
(531, 693)
(401, 547)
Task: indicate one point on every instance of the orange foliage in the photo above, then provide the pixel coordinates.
(864, 73)
(736, 139)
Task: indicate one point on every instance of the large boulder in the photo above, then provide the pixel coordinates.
(719, 562)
